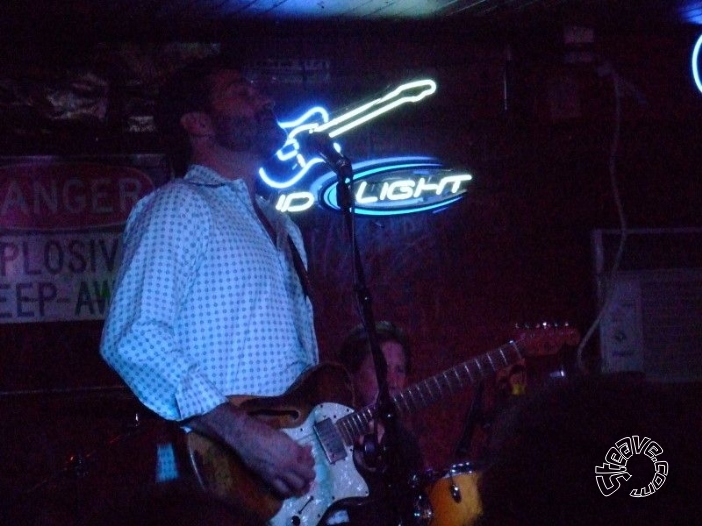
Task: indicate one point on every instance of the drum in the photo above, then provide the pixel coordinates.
(452, 494)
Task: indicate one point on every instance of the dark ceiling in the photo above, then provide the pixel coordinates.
(211, 19)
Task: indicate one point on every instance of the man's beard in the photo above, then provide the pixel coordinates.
(262, 135)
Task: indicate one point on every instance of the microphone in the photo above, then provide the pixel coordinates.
(321, 144)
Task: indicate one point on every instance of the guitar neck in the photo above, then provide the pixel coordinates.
(433, 389)
(409, 92)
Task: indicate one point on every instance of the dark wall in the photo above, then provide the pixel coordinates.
(537, 133)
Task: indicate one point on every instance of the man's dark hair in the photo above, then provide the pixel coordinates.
(356, 346)
(187, 90)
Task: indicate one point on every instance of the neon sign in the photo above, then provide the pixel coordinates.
(295, 201)
(400, 185)
(696, 63)
(294, 165)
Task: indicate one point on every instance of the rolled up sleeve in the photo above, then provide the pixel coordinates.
(165, 238)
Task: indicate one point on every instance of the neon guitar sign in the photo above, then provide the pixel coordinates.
(317, 119)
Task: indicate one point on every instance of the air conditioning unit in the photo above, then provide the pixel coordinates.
(652, 305)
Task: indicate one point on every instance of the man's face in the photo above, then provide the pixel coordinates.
(243, 117)
(365, 381)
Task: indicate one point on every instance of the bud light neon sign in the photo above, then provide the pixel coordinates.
(396, 185)
(399, 185)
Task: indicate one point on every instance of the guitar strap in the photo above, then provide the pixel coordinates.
(296, 257)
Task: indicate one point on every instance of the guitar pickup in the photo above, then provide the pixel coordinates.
(330, 439)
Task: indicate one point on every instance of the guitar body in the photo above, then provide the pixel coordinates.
(316, 410)
(324, 393)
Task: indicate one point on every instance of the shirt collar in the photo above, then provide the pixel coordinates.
(202, 175)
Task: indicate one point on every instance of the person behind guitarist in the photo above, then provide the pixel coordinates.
(209, 299)
(355, 355)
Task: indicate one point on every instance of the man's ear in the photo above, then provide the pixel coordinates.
(196, 124)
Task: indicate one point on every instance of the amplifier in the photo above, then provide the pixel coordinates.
(652, 305)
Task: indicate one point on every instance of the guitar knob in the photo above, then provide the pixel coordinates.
(295, 521)
(455, 493)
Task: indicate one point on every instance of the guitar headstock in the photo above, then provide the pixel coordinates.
(545, 338)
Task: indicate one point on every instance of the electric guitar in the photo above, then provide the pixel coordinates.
(315, 410)
(295, 164)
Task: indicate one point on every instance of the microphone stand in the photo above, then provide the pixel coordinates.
(396, 473)
(475, 413)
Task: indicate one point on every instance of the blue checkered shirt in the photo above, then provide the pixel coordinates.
(206, 303)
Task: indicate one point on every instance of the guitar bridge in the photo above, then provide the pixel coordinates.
(330, 439)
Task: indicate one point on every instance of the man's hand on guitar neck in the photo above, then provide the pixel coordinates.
(283, 464)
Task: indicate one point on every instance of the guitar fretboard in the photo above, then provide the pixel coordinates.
(434, 388)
